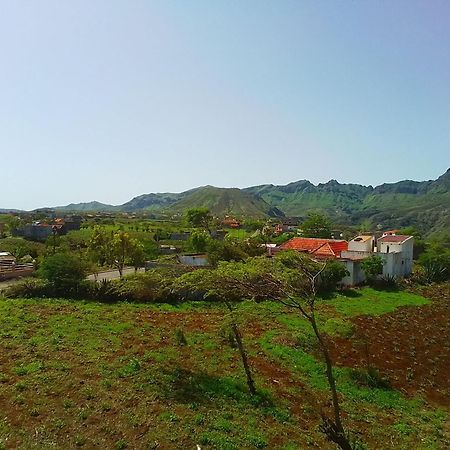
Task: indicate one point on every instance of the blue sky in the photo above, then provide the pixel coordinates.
(107, 100)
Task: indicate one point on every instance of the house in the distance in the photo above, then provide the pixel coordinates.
(319, 248)
(193, 259)
(396, 251)
(230, 222)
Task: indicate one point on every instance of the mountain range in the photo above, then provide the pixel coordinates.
(425, 204)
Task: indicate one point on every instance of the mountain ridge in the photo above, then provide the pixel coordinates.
(406, 202)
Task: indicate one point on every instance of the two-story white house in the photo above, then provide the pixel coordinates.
(396, 251)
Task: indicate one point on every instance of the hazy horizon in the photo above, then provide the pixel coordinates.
(105, 100)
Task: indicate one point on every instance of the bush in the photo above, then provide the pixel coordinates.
(153, 286)
(332, 275)
(436, 265)
(180, 338)
(28, 288)
(64, 271)
(372, 267)
(104, 291)
(370, 377)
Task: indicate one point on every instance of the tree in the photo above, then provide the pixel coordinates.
(292, 279)
(122, 249)
(228, 283)
(64, 271)
(115, 249)
(99, 246)
(317, 226)
(300, 293)
(225, 251)
(136, 254)
(199, 218)
(372, 267)
(331, 276)
(199, 241)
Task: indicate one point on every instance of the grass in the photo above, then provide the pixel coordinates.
(373, 302)
(88, 375)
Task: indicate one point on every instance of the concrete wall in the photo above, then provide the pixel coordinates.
(356, 276)
(361, 246)
(355, 254)
(396, 264)
(193, 260)
(398, 257)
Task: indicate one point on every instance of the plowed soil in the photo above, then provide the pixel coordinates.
(411, 347)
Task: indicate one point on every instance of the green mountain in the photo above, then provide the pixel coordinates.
(226, 201)
(296, 199)
(425, 204)
(152, 201)
(85, 207)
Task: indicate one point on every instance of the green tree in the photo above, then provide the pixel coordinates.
(199, 218)
(229, 283)
(199, 241)
(122, 248)
(136, 254)
(317, 226)
(297, 287)
(225, 251)
(372, 267)
(63, 271)
(115, 249)
(331, 275)
(99, 246)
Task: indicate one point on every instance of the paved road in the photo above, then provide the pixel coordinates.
(112, 274)
(106, 275)
(7, 283)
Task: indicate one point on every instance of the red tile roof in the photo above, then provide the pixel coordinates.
(394, 238)
(327, 248)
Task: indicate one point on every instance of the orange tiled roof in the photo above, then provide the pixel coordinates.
(319, 247)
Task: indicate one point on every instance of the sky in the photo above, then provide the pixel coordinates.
(106, 100)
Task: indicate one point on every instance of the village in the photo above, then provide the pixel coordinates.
(395, 250)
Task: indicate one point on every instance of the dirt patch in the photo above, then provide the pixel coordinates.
(410, 346)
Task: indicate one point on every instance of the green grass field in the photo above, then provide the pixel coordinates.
(91, 375)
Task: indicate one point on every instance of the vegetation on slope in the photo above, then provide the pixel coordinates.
(91, 375)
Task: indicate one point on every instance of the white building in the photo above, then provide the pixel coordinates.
(397, 254)
(396, 251)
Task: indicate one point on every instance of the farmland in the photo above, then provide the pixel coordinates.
(77, 374)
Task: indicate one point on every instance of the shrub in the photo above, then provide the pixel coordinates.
(436, 265)
(146, 287)
(370, 377)
(372, 267)
(64, 272)
(388, 282)
(104, 291)
(28, 288)
(180, 338)
(332, 275)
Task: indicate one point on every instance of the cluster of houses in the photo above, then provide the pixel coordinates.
(396, 252)
(40, 231)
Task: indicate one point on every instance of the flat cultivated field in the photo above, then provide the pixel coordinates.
(138, 376)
